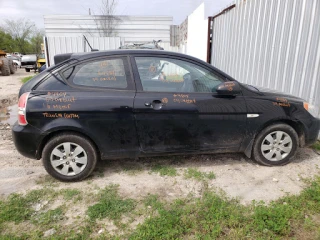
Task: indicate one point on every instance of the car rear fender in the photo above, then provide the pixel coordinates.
(55, 127)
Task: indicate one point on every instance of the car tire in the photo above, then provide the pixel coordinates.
(69, 157)
(275, 145)
(5, 69)
(12, 67)
(27, 70)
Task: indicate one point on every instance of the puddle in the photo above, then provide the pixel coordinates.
(9, 114)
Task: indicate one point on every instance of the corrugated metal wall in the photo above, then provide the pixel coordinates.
(130, 28)
(58, 45)
(274, 44)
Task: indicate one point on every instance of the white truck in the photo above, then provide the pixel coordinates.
(29, 62)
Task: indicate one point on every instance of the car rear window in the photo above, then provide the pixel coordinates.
(53, 82)
(106, 73)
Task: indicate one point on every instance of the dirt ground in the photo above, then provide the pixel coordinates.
(235, 174)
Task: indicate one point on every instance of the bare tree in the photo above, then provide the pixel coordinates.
(106, 21)
(20, 30)
(37, 40)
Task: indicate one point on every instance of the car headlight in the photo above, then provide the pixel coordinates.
(311, 109)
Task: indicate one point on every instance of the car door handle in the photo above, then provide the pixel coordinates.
(156, 104)
(147, 104)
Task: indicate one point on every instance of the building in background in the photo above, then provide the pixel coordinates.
(128, 28)
(64, 33)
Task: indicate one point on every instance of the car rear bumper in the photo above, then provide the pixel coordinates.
(28, 66)
(25, 139)
(313, 131)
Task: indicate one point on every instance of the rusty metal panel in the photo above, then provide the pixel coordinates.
(174, 35)
(183, 32)
(273, 44)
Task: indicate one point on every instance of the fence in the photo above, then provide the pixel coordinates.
(273, 44)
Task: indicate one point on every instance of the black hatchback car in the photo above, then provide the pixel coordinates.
(135, 103)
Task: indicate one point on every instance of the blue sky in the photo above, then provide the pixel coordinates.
(35, 9)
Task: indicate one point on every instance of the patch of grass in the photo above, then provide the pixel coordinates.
(316, 146)
(49, 217)
(153, 201)
(15, 209)
(9, 237)
(18, 208)
(26, 79)
(164, 170)
(274, 218)
(69, 194)
(110, 205)
(198, 175)
(213, 216)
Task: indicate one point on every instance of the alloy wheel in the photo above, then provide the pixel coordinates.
(276, 146)
(68, 159)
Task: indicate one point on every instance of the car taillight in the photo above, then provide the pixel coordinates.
(22, 118)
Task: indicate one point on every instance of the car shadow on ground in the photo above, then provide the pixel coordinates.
(134, 166)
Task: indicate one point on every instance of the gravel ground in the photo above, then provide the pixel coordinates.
(235, 174)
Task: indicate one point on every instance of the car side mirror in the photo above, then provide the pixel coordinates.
(231, 88)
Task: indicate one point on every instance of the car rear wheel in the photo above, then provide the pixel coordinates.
(12, 67)
(69, 157)
(5, 69)
(27, 70)
(275, 145)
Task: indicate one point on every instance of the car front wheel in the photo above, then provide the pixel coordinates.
(69, 157)
(275, 145)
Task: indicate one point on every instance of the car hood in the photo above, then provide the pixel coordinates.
(275, 93)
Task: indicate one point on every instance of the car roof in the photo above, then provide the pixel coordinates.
(94, 54)
(88, 55)
(125, 52)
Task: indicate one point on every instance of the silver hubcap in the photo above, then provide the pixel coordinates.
(276, 146)
(68, 159)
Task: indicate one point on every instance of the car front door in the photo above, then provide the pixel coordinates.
(177, 108)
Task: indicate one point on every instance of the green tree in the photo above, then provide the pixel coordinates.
(21, 31)
(7, 43)
(36, 41)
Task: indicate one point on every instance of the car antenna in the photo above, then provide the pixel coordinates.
(92, 49)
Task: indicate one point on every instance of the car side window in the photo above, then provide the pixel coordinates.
(105, 73)
(159, 74)
(53, 82)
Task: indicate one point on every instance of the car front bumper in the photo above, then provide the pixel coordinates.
(313, 132)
